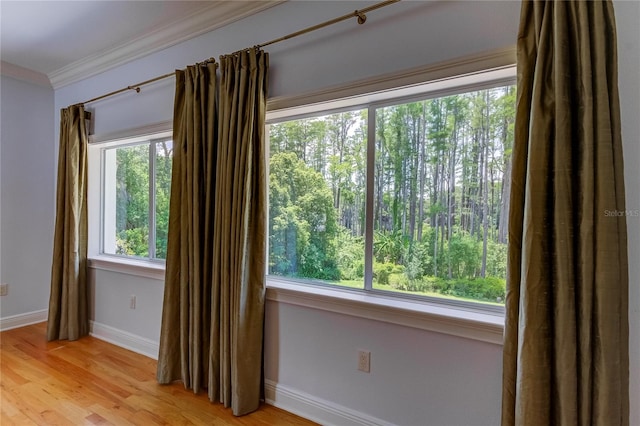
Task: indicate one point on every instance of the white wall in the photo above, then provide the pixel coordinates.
(627, 19)
(418, 377)
(26, 196)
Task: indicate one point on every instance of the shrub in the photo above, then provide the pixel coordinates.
(381, 272)
(490, 289)
(349, 255)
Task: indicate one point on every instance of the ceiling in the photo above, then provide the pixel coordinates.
(71, 40)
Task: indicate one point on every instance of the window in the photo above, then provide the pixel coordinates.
(403, 193)
(135, 198)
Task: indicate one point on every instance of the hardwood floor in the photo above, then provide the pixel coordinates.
(90, 382)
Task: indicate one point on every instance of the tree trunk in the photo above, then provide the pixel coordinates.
(503, 220)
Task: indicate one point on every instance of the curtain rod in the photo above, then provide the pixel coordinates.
(135, 87)
(359, 14)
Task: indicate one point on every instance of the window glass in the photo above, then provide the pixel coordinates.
(440, 196)
(137, 185)
(317, 198)
(163, 158)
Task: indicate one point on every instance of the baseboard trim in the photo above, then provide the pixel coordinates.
(316, 409)
(21, 320)
(133, 342)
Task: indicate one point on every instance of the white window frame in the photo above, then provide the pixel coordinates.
(150, 267)
(372, 102)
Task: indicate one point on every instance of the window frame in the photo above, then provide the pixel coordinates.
(372, 102)
(98, 146)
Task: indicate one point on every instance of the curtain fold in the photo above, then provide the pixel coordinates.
(213, 313)
(68, 304)
(240, 233)
(566, 355)
(184, 337)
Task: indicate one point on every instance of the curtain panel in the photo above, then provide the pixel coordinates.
(240, 229)
(68, 303)
(566, 355)
(213, 314)
(184, 338)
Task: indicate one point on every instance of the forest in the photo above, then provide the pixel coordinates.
(141, 228)
(440, 196)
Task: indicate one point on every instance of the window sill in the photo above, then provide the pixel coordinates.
(135, 267)
(467, 323)
(470, 324)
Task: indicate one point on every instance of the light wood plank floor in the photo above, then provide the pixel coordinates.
(93, 382)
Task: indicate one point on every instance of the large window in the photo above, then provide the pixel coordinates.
(136, 189)
(408, 194)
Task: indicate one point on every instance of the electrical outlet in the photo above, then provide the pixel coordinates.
(4, 289)
(364, 361)
(132, 302)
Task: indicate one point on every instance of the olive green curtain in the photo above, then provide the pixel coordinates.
(68, 304)
(184, 338)
(240, 232)
(213, 315)
(566, 331)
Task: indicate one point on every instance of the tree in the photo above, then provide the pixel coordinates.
(132, 200)
(302, 221)
(164, 162)
(440, 193)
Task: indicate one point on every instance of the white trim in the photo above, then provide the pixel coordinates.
(97, 144)
(123, 265)
(142, 133)
(467, 323)
(315, 409)
(443, 70)
(217, 15)
(24, 74)
(133, 342)
(22, 320)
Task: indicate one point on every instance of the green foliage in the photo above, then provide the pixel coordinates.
(389, 246)
(302, 221)
(490, 289)
(496, 259)
(164, 162)
(465, 255)
(132, 200)
(349, 257)
(133, 242)
(438, 187)
(382, 271)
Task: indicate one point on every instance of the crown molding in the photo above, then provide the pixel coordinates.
(24, 74)
(205, 20)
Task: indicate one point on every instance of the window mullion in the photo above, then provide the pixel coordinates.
(152, 200)
(103, 162)
(368, 230)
